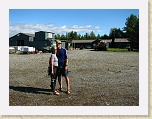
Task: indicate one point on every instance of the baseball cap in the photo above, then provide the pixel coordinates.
(58, 42)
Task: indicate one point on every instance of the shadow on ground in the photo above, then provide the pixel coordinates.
(30, 90)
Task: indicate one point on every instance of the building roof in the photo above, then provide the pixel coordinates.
(121, 40)
(46, 32)
(82, 41)
(107, 40)
(31, 35)
(27, 34)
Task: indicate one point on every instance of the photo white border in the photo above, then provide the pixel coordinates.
(142, 109)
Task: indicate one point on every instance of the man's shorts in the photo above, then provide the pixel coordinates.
(63, 72)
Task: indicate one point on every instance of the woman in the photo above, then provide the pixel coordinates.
(53, 63)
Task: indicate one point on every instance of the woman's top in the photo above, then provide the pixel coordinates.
(55, 59)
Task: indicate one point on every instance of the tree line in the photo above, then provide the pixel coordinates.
(130, 31)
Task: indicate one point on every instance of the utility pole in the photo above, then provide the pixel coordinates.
(113, 41)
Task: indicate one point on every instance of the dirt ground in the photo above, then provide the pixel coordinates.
(97, 78)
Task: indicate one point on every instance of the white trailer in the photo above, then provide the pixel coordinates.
(23, 49)
(29, 49)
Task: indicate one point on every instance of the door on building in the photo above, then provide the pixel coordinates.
(20, 42)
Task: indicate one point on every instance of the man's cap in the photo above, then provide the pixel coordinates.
(58, 42)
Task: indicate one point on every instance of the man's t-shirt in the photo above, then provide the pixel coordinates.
(61, 55)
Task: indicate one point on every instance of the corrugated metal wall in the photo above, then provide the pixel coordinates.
(41, 39)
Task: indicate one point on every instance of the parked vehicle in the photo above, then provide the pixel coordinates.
(129, 47)
(101, 46)
(88, 47)
(47, 49)
(81, 47)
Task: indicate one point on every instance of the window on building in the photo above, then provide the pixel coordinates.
(31, 39)
(20, 42)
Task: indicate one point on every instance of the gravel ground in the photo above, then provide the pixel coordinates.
(97, 78)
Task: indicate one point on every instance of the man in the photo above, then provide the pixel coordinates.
(63, 65)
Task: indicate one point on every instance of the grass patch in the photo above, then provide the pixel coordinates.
(118, 50)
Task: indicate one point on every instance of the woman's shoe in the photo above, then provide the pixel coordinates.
(56, 93)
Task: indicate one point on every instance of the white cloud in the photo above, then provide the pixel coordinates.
(34, 27)
(89, 26)
(97, 27)
(63, 27)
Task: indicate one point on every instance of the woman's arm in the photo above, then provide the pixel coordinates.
(51, 63)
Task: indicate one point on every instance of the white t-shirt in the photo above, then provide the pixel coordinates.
(55, 59)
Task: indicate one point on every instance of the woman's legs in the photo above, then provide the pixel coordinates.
(53, 81)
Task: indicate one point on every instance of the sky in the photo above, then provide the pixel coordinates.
(61, 21)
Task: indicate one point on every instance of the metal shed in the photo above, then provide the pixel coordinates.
(21, 39)
(37, 40)
(121, 42)
(85, 43)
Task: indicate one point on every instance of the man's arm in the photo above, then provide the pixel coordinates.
(66, 61)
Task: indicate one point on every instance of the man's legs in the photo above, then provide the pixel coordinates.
(64, 73)
(68, 84)
(60, 82)
(60, 78)
(67, 81)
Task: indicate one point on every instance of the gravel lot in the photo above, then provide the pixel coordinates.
(98, 78)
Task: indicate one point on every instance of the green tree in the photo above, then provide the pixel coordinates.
(62, 37)
(57, 36)
(112, 35)
(92, 35)
(79, 37)
(132, 29)
(73, 35)
(116, 33)
(86, 36)
(82, 37)
(98, 36)
(105, 36)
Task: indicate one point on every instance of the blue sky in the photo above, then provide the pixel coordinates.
(60, 21)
